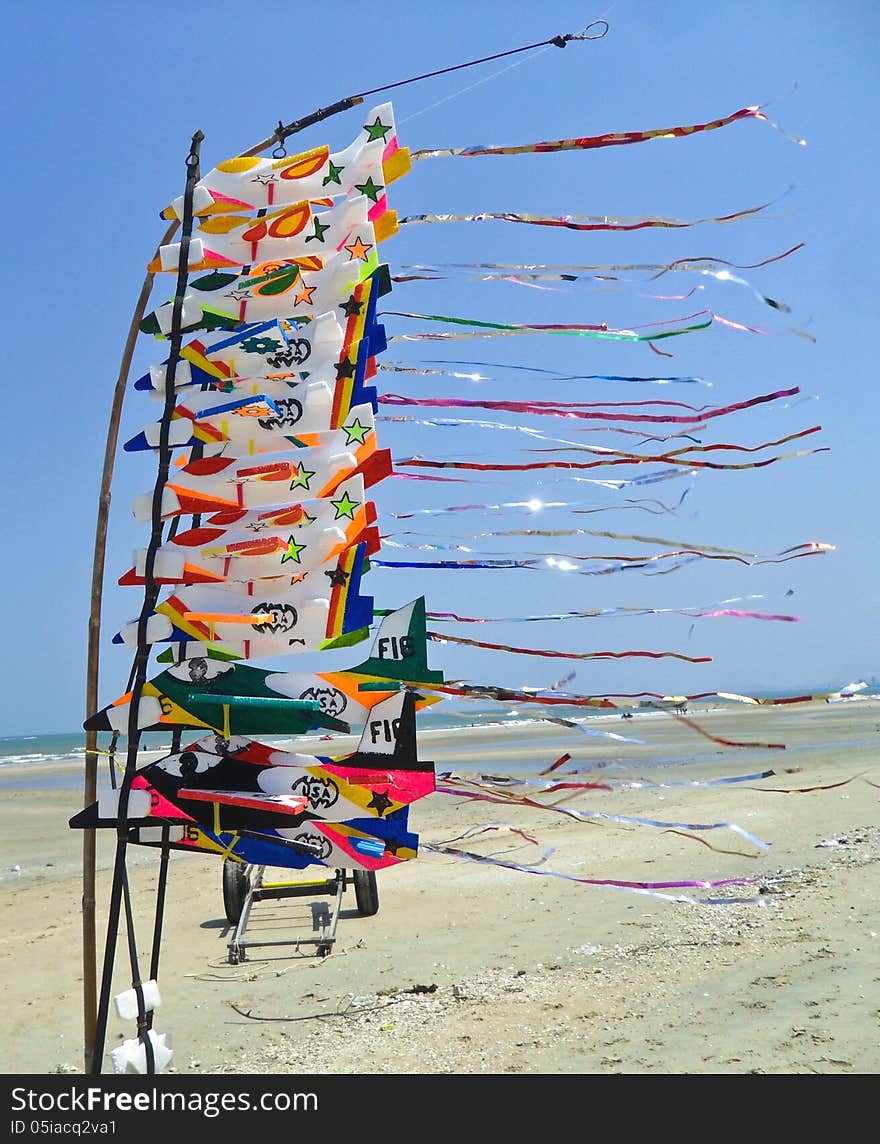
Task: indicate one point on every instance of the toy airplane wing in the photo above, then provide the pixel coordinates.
(222, 810)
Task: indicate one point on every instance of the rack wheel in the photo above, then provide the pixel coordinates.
(366, 892)
(235, 888)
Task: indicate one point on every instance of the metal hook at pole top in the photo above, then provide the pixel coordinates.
(583, 34)
(280, 151)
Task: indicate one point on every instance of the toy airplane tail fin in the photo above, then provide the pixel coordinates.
(388, 740)
(400, 649)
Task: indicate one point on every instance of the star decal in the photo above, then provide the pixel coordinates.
(302, 478)
(344, 369)
(380, 801)
(370, 189)
(345, 506)
(352, 307)
(359, 249)
(338, 577)
(356, 432)
(320, 229)
(293, 551)
(306, 519)
(305, 295)
(377, 130)
(333, 173)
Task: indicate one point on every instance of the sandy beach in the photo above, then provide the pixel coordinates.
(478, 968)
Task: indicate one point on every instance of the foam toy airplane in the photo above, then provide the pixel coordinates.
(254, 423)
(219, 484)
(229, 240)
(202, 692)
(258, 349)
(290, 289)
(282, 349)
(215, 418)
(244, 183)
(361, 843)
(279, 616)
(245, 800)
(258, 545)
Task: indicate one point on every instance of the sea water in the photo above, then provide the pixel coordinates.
(24, 758)
(28, 755)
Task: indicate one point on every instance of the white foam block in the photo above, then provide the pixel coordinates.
(127, 1002)
(169, 256)
(131, 1056)
(148, 834)
(139, 803)
(149, 712)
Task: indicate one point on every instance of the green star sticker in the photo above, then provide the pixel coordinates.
(345, 506)
(370, 189)
(376, 130)
(320, 228)
(293, 551)
(356, 432)
(302, 478)
(333, 173)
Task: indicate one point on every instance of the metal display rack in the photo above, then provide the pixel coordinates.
(245, 884)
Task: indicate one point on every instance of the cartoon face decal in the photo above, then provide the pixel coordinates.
(319, 791)
(301, 348)
(285, 617)
(330, 700)
(289, 413)
(220, 745)
(319, 846)
(198, 670)
(188, 765)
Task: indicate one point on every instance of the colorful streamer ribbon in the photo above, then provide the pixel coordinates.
(582, 222)
(397, 367)
(647, 888)
(593, 410)
(483, 329)
(439, 637)
(610, 139)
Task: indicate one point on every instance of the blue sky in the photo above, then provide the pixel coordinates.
(102, 101)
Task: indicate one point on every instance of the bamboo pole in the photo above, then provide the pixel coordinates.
(90, 787)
